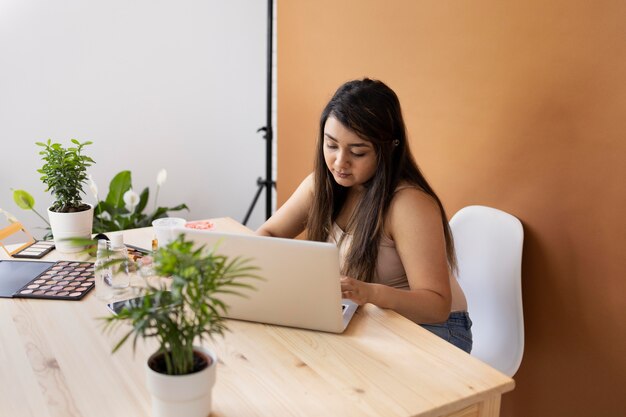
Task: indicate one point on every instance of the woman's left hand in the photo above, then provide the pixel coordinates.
(355, 290)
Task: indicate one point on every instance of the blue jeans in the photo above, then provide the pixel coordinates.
(457, 330)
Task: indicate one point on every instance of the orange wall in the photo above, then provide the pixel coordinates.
(516, 106)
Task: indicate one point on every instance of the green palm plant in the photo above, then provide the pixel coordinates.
(189, 309)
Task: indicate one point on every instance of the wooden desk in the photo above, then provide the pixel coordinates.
(56, 361)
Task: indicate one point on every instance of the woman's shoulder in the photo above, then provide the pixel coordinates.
(307, 185)
(411, 205)
(304, 193)
(309, 180)
(412, 212)
(403, 185)
(406, 190)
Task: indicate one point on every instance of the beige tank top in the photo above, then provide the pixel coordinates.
(389, 269)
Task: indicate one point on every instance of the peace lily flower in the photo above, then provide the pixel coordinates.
(11, 218)
(161, 177)
(93, 187)
(131, 199)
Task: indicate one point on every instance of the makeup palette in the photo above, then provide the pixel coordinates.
(23, 244)
(61, 280)
(36, 250)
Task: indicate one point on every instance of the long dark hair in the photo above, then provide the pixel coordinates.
(371, 110)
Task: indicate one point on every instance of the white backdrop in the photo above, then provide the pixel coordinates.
(174, 84)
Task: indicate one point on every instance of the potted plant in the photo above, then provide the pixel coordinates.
(64, 172)
(180, 313)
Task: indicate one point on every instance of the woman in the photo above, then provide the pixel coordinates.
(368, 196)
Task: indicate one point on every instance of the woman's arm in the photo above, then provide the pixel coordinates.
(290, 219)
(414, 224)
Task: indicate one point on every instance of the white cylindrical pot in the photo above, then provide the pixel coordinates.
(183, 395)
(70, 225)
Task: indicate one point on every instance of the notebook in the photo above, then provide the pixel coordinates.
(299, 286)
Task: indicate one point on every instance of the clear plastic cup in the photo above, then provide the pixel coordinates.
(164, 229)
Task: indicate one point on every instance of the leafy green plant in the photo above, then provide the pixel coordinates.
(64, 172)
(124, 209)
(188, 310)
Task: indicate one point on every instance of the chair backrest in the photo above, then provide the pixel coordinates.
(488, 245)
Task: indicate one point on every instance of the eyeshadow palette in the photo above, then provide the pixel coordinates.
(61, 280)
(35, 250)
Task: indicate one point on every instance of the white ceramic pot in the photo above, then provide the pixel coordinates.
(182, 395)
(68, 225)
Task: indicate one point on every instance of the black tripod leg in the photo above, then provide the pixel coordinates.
(256, 197)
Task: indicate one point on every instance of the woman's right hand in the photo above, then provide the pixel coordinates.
(357, 291)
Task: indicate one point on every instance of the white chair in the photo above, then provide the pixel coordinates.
(488, 246)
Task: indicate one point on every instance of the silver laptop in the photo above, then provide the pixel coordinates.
(299, 286)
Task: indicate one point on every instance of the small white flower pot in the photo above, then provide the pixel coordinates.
(182, 395)
(69, 225)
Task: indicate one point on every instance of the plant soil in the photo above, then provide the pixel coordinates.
(64, 209)
(200, 362)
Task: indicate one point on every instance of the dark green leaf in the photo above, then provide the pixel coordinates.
(143, 200)
(118, 186)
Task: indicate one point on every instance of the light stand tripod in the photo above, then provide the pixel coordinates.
(266, 183)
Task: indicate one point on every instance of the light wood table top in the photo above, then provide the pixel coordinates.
(55, 360)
